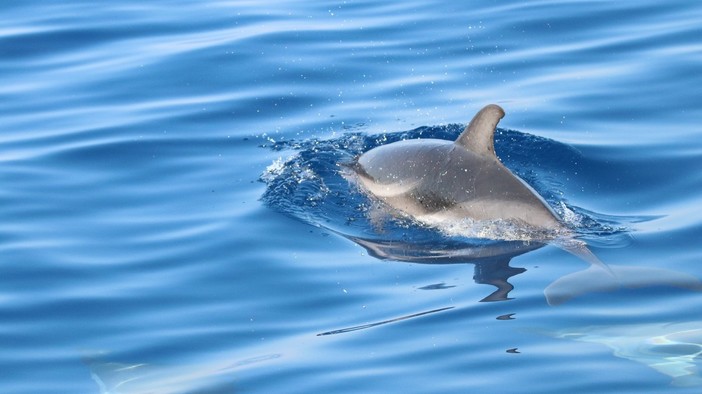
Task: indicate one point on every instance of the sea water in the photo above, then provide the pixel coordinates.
(174, 216)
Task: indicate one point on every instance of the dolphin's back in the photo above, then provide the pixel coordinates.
(443, 180)
(404, 161)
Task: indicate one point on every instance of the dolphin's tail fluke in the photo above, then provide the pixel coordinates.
(579, 249)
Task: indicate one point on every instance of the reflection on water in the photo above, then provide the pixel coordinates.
(491, 260)
(380, 323)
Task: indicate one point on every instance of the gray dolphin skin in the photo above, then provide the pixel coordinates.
(435, 180)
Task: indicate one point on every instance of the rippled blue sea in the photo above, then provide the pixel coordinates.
(173, 220)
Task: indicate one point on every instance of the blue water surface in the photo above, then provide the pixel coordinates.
(174, 217)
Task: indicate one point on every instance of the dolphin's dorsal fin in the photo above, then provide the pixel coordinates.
(479, 134)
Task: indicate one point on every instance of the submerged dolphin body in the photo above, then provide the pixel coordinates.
(673, 349)
(438, 181)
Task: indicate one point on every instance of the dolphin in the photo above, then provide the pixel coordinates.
(438, 181)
